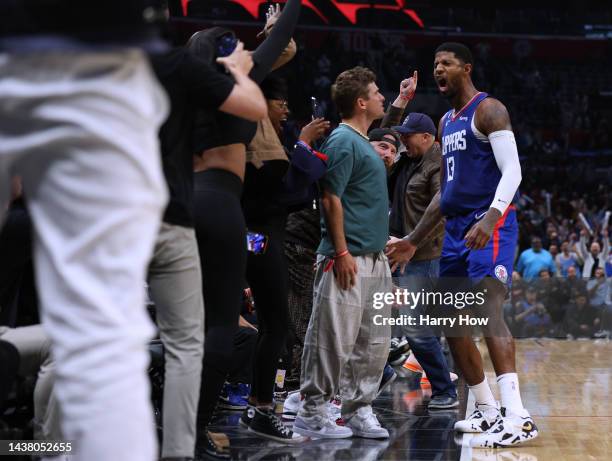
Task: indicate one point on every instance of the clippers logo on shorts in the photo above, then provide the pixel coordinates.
(501, 273)
(454, 142)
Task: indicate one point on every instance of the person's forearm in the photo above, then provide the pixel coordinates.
(334, 217)
(430, 219)
(287, 55)
(582, 248)
(268, 52)
(246, 99)
(522, 315)
(393, 116)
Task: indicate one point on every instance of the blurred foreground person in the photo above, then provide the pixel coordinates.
(78, 122)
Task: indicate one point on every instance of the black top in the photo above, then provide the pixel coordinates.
(116, 21)
(216, 129)
(278, 185)
(191, 85)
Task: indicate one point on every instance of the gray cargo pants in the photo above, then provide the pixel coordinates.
(343, 345)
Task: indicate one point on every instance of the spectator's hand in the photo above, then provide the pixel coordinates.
(314, 130)
(345, 270)
(239, 62)
(399, 252)
(583, 233)
(480, 233)
(242, 322)
(408, 87)
(604, 233)
(272, 16)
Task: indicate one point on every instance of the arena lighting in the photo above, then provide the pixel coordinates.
(348, 10)
(252, 6)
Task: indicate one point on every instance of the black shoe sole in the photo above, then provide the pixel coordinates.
(277, 439)
(244, 423)
(230, 407)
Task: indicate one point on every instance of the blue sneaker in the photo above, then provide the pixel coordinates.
(388, 377)
(231, 398)
(244, 390)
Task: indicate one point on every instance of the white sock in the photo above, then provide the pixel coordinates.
(510, 394)
(483, 395)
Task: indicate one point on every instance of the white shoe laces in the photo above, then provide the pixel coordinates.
(370, 420)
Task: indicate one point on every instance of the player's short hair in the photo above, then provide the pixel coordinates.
(349, 86)
(461, 51)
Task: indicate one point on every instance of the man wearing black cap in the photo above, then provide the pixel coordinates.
(386, 144)
(413, 182)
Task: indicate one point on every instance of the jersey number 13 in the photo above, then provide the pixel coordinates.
(450, 168)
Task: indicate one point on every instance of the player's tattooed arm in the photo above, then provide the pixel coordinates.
(491, 116)
(401, 251)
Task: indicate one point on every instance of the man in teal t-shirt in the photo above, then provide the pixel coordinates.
(356, 175)
(345, 337)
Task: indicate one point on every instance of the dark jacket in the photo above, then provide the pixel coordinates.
(412, 185)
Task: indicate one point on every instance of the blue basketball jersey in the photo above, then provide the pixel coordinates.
(470, 172)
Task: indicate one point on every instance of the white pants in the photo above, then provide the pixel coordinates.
(81, 129)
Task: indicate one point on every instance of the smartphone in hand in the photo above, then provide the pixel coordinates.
(257, 243)
(317, 109)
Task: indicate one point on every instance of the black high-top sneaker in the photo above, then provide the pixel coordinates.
(266, 424)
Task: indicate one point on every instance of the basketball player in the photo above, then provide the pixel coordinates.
(480, 177)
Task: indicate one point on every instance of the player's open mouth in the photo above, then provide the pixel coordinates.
(441, 83)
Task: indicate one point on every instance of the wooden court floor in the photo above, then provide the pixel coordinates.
(567, 387)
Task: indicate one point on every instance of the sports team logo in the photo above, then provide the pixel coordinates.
(501, 273)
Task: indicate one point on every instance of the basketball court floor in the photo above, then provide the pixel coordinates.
(566, 386)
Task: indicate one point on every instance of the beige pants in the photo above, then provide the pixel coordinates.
(343, 346)
(35, 359)
(175, 280)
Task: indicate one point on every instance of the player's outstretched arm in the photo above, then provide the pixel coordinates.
(492, 120)
(401, 251)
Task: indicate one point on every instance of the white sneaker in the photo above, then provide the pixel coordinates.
(294, 401)
(365, 424)
(511, 429)
(334, 407)
(481, 419)
(319, 426)
(292, 405)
